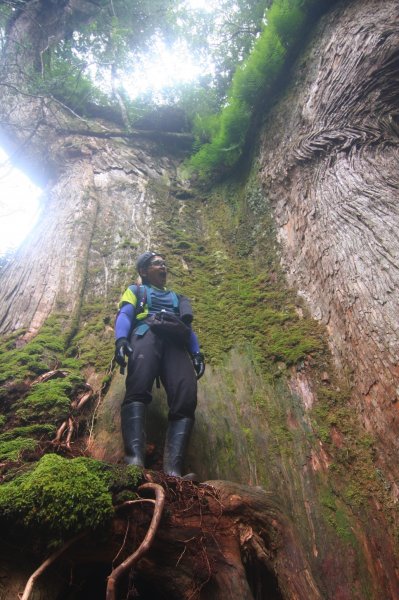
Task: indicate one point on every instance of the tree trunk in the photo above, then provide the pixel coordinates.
(329, 165)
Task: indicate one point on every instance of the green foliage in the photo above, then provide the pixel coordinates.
(94, 66)
(65, 79)
(60, 496)
(252, 84)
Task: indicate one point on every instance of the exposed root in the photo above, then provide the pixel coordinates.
(145, 544)
(126, 505)
(32, 579)
(50, 375)
(68, 426)
(71, 427)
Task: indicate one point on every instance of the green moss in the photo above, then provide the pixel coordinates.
(129, 244)
(32, 412)
(336, 516)
(126, 476)
(59, 496)
(48, 401)
(12, 449)
(341, 523)
(44, 431)
(39, 355)
(94, 342)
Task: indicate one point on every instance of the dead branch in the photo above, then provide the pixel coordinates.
(32, 579)
(184, 138)
(145, 544)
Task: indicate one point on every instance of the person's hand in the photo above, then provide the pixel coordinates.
(199, 364)
(122, 349)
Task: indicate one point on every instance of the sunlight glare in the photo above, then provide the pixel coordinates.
(201, 5)
(19, 205)
(163, 68)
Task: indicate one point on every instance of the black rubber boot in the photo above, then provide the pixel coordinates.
(133, 432)
(177, 437)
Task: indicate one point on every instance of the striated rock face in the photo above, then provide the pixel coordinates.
(329, 164)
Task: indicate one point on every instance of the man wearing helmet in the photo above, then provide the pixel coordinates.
(153, 330)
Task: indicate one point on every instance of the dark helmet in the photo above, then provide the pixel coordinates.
(144, 259)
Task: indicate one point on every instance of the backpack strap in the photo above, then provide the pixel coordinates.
(176, 301)
(147, 292)
(146, 298)
(140, 291)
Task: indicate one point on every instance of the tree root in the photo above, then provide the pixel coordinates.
(32, 579)
(145, 544)
(55, 374)
(68, 425)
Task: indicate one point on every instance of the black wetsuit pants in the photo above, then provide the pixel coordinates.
(154, 356)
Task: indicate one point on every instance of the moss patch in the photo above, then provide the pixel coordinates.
(239, 299)
(59, 496)
(33, 410)
(12, 450)
(48, 401)
(39, 355)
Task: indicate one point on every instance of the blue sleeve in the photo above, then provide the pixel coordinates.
(193, 343)
(124, 320)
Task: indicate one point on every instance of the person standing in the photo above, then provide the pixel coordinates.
(153, 331)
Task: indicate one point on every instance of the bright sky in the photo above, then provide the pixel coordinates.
(19, 197)
(163, 68)
(19, 205)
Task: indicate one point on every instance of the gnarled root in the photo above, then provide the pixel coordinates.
(145, 544)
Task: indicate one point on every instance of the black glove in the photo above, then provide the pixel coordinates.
(122, 349)
(199, 364)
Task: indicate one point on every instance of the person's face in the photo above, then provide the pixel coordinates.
(156, 272)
